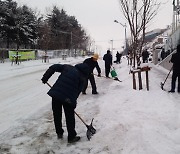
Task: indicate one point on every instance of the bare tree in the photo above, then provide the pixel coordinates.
(138, 13)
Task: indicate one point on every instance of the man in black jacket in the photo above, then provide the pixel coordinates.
(92, 63)
(175, 59)
(108, 62)
(64, 94)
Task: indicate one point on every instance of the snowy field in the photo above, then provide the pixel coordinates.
(127, 121)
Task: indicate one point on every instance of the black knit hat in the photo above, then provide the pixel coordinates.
(108, 51)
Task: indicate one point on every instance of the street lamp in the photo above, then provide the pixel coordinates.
(112, 45)
(125, 48)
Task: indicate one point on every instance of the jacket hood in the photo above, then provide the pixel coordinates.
(83, 68)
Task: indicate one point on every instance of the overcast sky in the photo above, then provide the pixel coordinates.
(97, 16)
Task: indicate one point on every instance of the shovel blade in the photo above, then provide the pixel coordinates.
(162, 86)
(117, 79)
(90, 130)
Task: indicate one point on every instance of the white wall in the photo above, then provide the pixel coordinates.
(173, 39)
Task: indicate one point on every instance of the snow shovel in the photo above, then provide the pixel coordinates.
(162, 84)
(114, 74)
(90, 129)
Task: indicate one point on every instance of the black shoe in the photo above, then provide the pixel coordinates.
(171, 91)
(75, 139)
(84, 93)
(59, 136)
(95, 93)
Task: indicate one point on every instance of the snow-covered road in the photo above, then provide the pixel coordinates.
(22, 94)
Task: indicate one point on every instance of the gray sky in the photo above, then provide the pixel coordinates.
(97, 16)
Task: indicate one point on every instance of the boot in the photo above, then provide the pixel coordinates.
(59, 136)
(171, 91)
(95, 93)
(75, 139)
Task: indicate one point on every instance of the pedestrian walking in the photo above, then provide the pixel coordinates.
(118, 58)
(163, 54)
(64, 94)
(92, 63)
(108, 62)
(145, 55)
(175, 59)
(130, 57)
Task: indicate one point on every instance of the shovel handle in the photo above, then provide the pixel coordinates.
(100, 76)
(80, 118)
(48, 84)
(167, 75)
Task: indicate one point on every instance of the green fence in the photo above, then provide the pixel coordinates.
(22, 54)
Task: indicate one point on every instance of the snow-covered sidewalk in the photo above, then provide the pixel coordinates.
(127, 121)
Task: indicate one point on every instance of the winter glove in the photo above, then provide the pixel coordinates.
(99, 75)
(47, 75)
(44, 80)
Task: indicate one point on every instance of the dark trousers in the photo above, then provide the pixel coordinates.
(107, 70)
(145, 60)
(69, 115)
(93, 83)
(173, 82)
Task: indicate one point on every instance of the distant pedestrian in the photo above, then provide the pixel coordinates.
(163, 54)
(175, 59)
(64, 94)
(145, 55)
(108, 62)
(118, 58)
(130, 57)
(92, 63)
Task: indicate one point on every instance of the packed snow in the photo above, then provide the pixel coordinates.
(127, 121)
